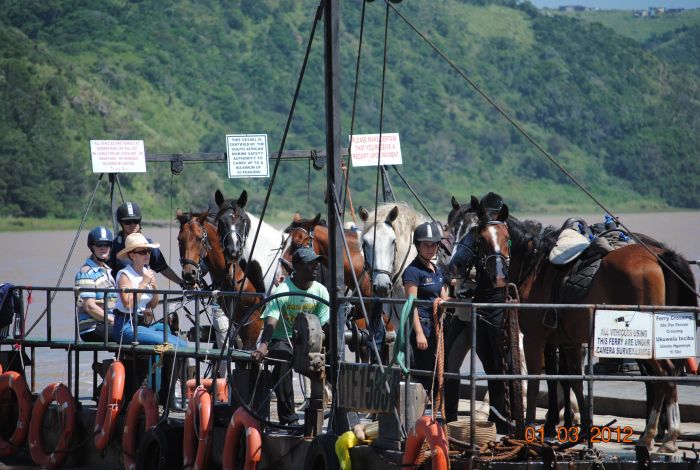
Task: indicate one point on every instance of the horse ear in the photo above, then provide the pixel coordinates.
(503, 214)
(203, 216)
(297, 217)
(475, 203)
(315, 220)
(219, 198)
(364, 215)
(243, 199)
(393, 214)
(178, 213)
(455, 203)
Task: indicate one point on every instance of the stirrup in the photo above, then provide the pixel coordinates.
(550, 319)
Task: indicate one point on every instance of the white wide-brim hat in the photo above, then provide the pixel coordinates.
(134, 242)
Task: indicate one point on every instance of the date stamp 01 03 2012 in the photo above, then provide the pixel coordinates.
(572, 434)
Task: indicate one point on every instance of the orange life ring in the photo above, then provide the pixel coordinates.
(196, 441)
(431, 430)
(242, 421)
(11, 380)
(144, 399)
(110, 398)
(221, 388)
(59, 393)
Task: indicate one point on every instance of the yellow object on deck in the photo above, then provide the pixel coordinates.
(345, 442)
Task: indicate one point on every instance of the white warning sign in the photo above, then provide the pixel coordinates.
(247, 156)
(623, 334)
(365, 149)
(118, 156)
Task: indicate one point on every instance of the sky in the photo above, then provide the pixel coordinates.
(619, 4)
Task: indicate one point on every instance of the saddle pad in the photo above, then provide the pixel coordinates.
(568, 247)
(579, 279)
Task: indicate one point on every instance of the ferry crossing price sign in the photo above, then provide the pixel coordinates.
(365, 149)
(644, 335)
(118, 156)
(247, 156)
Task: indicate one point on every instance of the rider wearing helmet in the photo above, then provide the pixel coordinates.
(488, 328)
(129, 218)
(95, 274)
(424, 279)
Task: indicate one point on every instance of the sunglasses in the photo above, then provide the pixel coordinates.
(103, 244)
(131, 222)
(142, 252)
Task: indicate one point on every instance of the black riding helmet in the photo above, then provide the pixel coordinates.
(427, 232)
(129, 211)
(492, 202)
(99, 234)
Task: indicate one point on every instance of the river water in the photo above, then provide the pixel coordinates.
(38, 258)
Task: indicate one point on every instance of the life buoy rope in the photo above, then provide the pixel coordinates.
(430, 430)
(143, 400)
(109, 405)
(11, 380)
(59, 393)
(196, 441)
(242, 421)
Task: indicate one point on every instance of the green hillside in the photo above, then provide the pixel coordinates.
(181, 75)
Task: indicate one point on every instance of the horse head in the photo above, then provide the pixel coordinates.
(379, 248)
(193, 242)
(233, 224)
(461, 219)
(493, 238)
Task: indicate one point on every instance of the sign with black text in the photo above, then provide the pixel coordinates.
(361, 388)
(623, 334)
(247, 156)
(674, 335)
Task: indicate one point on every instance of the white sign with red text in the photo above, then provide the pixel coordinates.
(118, 156)
(247, 156)
(365, 149)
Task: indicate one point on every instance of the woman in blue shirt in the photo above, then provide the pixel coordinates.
(424, 279)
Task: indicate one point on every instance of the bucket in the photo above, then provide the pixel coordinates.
(460, 430)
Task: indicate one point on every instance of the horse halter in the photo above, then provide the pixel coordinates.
(309, 233)
(232, 231)
(203, 251)
(482, 259)
(371, 269)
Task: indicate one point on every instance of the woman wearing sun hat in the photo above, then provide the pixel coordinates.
(138, 275)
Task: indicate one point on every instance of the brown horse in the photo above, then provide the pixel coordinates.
(630, 275)
(198, 240)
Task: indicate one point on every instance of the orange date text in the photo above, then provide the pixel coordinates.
(573, 434)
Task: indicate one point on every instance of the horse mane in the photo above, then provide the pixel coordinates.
(304, 223)
(522, 233)
(187, 216)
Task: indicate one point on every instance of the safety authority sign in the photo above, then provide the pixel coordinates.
(247, 156)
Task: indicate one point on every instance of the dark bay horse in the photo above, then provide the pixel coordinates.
(198, 240)
(630, 275)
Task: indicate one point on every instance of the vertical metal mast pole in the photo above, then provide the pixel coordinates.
(331, 14)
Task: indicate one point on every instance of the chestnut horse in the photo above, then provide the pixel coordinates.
(198, 240)
(630, 275)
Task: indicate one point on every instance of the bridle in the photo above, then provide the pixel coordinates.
(483, 258)
(370, 270)
(309, 233)
(232, 230)
(204, 248)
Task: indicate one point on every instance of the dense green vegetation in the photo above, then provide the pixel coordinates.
(621, 114)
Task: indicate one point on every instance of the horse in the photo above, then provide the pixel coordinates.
(387, 243)
(234, 226)
(198, 240)
(313, 233)
(630, 275)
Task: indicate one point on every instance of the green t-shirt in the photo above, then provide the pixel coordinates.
(292, 305)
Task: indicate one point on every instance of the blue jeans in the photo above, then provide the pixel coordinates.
(146, 334)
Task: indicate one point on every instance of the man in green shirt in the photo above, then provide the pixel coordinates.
(276, 336)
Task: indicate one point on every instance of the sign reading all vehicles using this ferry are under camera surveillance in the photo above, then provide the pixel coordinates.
(247, 156)
(118, 156)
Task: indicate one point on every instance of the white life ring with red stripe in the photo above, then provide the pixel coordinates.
(143, 400)
(430, 430)
(11, 380)
(196, 444)
(242, 421)
(59, 393)
(109, 405)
